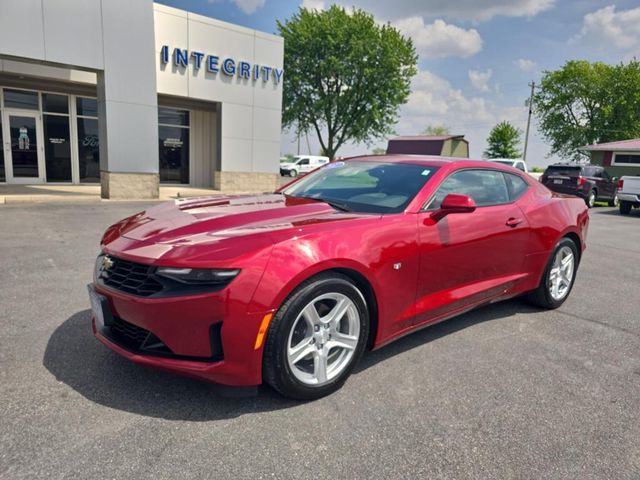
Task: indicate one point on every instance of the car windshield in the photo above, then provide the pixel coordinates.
(364, 186)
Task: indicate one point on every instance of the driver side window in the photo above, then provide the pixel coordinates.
(486, 187)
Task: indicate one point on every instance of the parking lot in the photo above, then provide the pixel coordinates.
(507, 391)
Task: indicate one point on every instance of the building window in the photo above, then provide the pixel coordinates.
(57, 148)
(173, 136)
(55, 103)
(626, 159)
(24, 99)
(88, 140)
(87, 107)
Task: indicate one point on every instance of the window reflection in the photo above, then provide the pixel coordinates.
(173, 136)
(88, 150)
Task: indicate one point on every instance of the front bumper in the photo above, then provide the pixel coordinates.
(186, 330)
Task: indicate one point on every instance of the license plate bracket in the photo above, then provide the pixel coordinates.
(100, 308)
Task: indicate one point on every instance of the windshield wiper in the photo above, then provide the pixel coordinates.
(337, 205)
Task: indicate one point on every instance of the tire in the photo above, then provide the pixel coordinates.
(327, 365)
(591, 199)
(625, 207)
(293, 173)
(547, 295)
(614, 201)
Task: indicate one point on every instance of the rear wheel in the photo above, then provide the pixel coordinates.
(591, 199)
(559, 275)
(625, 207)
(316, 338)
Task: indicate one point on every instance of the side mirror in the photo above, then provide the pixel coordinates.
(454, 203)
(614, 179)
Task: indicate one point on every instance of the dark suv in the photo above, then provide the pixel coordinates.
(589, 182)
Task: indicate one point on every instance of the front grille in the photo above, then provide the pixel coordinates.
(128, 277)
(136, 338)
(139, 340)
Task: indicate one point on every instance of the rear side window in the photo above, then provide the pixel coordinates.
(562, 170)
(486, 187)
(515, 185)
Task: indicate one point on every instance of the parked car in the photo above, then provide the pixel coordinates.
(512, 162)
(302, 164)
(290, 288)
(589, 182)
(628, 193)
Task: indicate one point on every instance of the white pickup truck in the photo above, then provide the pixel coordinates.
(628, 193)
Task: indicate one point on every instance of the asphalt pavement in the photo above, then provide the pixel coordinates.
(507, 391)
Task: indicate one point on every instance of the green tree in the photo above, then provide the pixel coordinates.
(503, 141)
(584, 103)
(378, 151)
(345, 75)
(436, 130)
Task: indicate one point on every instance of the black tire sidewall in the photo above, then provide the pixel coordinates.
(625, 207)
(591, 195)
(276, 370)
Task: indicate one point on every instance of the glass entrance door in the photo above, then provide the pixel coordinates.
(24, 158)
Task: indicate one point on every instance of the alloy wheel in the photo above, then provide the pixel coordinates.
(561, 273)
(323, 339)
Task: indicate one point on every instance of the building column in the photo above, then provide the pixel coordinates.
(127, 102)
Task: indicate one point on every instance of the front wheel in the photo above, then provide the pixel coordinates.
(293, 173)
(559, 276)
(625, 207)
(316, 338)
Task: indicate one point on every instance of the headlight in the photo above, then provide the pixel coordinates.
(199, 276)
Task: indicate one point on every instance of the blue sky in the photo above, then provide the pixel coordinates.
(476, 56)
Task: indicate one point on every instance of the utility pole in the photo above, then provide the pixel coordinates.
(308, 145)
(526, 135)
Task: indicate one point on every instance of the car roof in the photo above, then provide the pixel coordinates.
(432, 161)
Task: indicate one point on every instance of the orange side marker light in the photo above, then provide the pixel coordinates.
(264, 325)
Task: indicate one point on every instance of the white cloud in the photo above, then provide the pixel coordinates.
(608, 27)
(249, 6)
(480, 80)
(434, 101)
(440, 39)
(317, 5)
(475, 10)
(525, 65)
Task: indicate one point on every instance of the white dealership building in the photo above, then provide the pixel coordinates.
(133, 94)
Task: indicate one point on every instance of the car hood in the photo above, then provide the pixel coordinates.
(287, 164)
(210, 219)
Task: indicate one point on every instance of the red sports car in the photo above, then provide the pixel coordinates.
(290, 288)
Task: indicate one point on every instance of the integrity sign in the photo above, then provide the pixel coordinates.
(181, 57)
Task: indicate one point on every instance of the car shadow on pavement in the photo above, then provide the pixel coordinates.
(77, 359)
(430, 333)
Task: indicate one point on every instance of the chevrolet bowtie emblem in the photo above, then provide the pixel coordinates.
(107, 263)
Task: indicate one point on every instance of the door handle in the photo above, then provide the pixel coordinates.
(513, 222)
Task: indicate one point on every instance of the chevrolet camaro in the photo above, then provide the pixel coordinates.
(290, 288)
